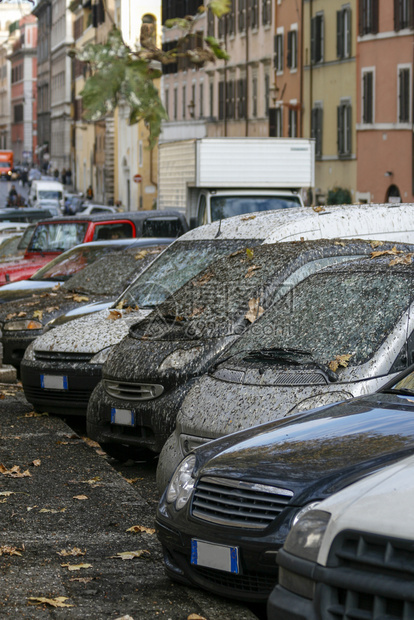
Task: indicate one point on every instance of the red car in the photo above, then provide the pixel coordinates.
(56, 235)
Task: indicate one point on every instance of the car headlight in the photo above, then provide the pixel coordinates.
(20, 325)
(182, 483)
(305, 537)
(179, 358)
(101, 357)
(29, 354)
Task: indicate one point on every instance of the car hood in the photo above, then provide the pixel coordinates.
(163, 361)
(91, 333)
(79, 311)
(318, 449)
(24, 288)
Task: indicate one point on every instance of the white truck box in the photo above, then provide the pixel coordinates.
(192, 171)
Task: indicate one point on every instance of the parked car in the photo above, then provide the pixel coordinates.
(325, 341)
(45, 190)
(165, 354)
(24, 215)
(54, 236)
(94, 272)
(186, 258)
(231, 503)
(33, 175)
(352, 551)
(87, 208)
(51, 205)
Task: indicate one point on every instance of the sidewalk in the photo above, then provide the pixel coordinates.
(58, 495)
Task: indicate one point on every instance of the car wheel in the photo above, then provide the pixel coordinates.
(120, 452)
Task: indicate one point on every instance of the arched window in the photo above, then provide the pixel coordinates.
(148, 31)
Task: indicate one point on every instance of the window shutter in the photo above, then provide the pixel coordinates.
(348, 112)
(275, 57)
(411, 9)
(361, 17)
(375, 16)
(289, 49)
(340, 129)
(397, 13)
(221, 101)
(319, 120)
(272, 122)
(313, 39)
(242, 8)
(347, 33)
(340, 34)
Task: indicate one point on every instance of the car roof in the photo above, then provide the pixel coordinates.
(125, 215)
(132, 242)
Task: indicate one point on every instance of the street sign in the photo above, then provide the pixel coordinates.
(137, 178)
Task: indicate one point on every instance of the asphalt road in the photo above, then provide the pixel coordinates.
(65, 548)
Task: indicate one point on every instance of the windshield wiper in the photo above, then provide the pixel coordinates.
(296, 357)
(402, 391)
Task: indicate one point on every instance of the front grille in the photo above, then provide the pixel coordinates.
(257, 583)
(36, 394)
(62, 357)
(133, 391)
(237, 503)
(298, 378)
(373, 577)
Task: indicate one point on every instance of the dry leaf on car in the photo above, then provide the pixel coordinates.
(21, 314)
(318, 209)
(249, 254)
(248, 217)
(52, 510)
(251, 270)
(74, 552)
(51, 308)
(255, 310)
(9, 550)
(203, 280)
(196, 312)
(81, 497)
(7, 493)
(73, 567)
(114, 315)
(14, 472)
(376, 244)
(38, 314)
(142, 254)
(130, 555)
(80, 298)
(59, 601)
(407, 259)
(391, 252)
(139, 529)
(340, 360)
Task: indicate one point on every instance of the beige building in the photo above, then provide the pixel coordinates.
(330, 92)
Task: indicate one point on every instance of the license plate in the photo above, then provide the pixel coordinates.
(125, 417)
(54, 382)
(220, 557)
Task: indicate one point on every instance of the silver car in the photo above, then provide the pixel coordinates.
(340, 333)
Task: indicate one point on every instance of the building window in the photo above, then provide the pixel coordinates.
(254, 97)
(343, 33)
(267, 93)
(278, 49)
(18, 113)
(201, 100)
(368, 16)
(292, 49)
(279, 122)
(175, 103)
(211, 86)
(241, 98)
(293, 123)
(211, 32)
(231, 18)
(266, 12)
(221, 25)
(403, 14)
(316, 129)
(184, 101)
(317, 34)
(254, 14)
(140, 154)
(221, 101)
(404, 95)
(230, 99)
(368, 97)
(344, 112)
(242, 15)
(167, 100)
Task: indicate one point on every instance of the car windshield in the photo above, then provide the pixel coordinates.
(4, 164)
(64, 266)
(50, 194)
(25, 238)
(9, 246)
(330, 315)
(57, 237)
(110, 275)
(178, 264)
(404, 386)
(228, 206)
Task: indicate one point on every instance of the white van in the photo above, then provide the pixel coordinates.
(45, 191)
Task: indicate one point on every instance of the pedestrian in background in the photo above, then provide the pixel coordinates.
(89, 193)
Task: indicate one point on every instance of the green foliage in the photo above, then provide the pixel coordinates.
(339, 196)
(120, 75)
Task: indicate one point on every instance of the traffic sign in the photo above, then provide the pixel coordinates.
(137, 178)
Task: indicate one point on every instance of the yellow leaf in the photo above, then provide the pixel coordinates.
(339, 243)
(114, 315)
(80, 298)
(34, 414)
(142, 254)
(248, 217)
(38, 314)
(255, 310)
(318, 209)
(59, 601)
(73, 567)
(340, 360)
(139, 529)
(75, 551)
(407, 259)
(51, 308)
(92, 481)
(249, 254)
(80, 497)
(130, 555)
(195, 617)
(22, 314)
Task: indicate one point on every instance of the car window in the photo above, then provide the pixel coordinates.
(25, 238)
(50, 194)
(228, 206)
(57, 237)
(119, 230)
(156, 227)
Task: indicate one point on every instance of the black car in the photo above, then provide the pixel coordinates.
(231, 503)
(91, 273)
(183, 338)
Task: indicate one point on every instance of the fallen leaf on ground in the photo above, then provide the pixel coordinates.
(125, 618)
(80, 497)
(11, 316)
(251, 270)
(80, 298)
(75, 551)
(29, 508)
(6, 493)
(51, 308)
(340, 360)
(9, 550)
(339, 243)
(255, 310)
(73, 567)
(14, 472)
(92, 481)
(130, 555)
(21, 314)
(53, 510)
(114, 315)
(90, 442)
(133, 480)
(36, 462)
(196, 617)
(407, 259)
(82, 579)
(139, 529)
(56, 288)
(34, 414)
(38, 314)
(59, 601)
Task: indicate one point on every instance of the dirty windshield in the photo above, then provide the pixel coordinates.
(64, 266)
(329, 315)
(57, 237)
(228, 206)
(179, 263)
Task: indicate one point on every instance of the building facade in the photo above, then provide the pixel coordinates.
(43, 12)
